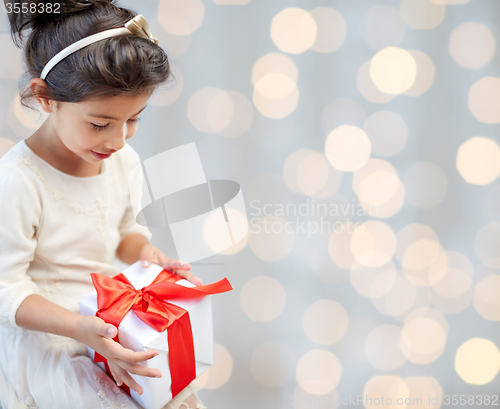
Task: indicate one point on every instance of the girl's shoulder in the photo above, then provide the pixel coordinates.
(15, 159)
(20, 163)
(15, 176)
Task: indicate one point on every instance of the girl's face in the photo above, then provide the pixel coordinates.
(95, 129)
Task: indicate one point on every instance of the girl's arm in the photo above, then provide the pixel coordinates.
(129, 250)
(39, 314)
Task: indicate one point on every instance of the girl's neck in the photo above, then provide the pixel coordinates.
(48, 146)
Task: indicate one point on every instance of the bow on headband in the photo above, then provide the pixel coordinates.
(116, 296)
(140, 27)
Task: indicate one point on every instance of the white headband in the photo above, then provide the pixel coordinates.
(138, 26)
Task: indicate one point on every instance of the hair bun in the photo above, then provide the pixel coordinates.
(40, 15)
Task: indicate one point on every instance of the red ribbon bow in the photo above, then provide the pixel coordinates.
(116, 296)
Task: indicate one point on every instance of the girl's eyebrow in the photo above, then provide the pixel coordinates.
(113, 118)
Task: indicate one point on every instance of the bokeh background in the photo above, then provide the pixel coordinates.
(364, 135)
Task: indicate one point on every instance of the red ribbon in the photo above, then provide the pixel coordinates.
(116, 296)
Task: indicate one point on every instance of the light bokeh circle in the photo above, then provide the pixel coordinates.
(425, 74)
(271, 238)
(293, 30)
(219, 373)
(325, 322)
(487, 297)
(382, 348)
(422, 14)
(472, 45)
(477, 361)
(210, 109)
(368, 89)
(373, 244)
(263, 298)
(347, 148)
(486, 245)
(331, 29)
(373, 282)
(484, 100)
(181, 17)
(478, 160)
(393, 70)
(424, 337)
(425, 184)
(388, 133)
(318, 372)
(391, 387)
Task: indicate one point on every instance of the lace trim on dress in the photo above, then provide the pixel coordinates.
(106, 402)
(99, 210)
(122, 397)
(29, 403)
(184, 405)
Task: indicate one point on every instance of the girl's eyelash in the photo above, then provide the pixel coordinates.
(98, 127)
(101, 127)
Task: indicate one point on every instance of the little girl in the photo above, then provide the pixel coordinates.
(65, 208)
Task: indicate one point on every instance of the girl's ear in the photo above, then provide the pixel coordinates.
(40, 90)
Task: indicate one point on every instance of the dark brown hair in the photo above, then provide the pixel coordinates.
(120, 65)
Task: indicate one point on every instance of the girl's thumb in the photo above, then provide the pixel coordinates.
(109, 331)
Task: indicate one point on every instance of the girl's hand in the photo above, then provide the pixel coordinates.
(150, 254)
(98, 335)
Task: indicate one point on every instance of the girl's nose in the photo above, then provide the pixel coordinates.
(119, 138)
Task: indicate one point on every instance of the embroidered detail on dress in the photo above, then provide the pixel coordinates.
(99, 210)
(56, 285)
(29, 403)
(106, 402)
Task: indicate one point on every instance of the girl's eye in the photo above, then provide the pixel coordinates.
(134, 120)
(98, 127)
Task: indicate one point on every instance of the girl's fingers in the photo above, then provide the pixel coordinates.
(171, 264)
(117, 351)
(190, 277)
(129, 360)
(135, 357)
(148, 255)
(137, 369)
(109, 331)
(116, 377)
(128, 380)
(104, 329)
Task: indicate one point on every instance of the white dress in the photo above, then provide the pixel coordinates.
(55, 229)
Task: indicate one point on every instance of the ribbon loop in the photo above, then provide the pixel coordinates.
(140, 27)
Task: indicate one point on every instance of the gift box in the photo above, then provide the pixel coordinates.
(157, 309)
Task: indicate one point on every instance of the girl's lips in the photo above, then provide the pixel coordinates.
(100, 156)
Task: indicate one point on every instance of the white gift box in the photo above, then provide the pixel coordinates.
(138, 336)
